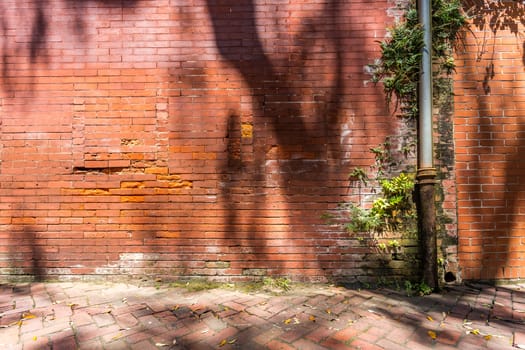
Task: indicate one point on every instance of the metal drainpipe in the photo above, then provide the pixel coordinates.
(426, 173)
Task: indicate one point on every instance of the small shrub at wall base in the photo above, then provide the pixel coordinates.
(417, 289)
(282, 283)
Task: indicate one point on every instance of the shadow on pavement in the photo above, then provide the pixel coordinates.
(122, 316)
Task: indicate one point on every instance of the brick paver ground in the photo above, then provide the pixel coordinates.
(120, 316)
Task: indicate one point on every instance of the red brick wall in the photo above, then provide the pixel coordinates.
(170, 138)
(490, 141)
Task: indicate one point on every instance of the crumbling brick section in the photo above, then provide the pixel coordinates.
(175, 138)
(490, 140)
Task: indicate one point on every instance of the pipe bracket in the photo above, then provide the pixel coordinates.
(426, 176)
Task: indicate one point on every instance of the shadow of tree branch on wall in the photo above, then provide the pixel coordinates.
(300, 89)
(23, 249)
(36, 46)
(295, 113)
(38, 32)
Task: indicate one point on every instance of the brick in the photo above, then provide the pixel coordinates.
(345, 334)
(277, 345)
(293, 334)
(496, 122)
(103, 319)
(364, 345)
(319, 334)
(334, 344)
(258, 138)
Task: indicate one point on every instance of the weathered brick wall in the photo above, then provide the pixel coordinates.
(490, 140)
(185, 138)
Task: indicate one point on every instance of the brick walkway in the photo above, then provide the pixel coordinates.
(117, 316)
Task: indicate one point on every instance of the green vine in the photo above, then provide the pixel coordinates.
(399, 66)
(385, 218)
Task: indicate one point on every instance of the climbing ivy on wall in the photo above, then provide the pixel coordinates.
(388, 223)
(398, 68)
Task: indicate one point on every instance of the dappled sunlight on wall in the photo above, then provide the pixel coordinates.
(490, 140)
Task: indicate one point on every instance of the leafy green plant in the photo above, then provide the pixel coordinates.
(361, 220)
(359, 175)
(282, 283)
(394, 243)
(393, 210)
(381, 246)
(196, 285)
(419, 289)
(383, 158)
(399, 66)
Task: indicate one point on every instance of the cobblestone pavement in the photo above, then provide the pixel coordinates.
(119, 316)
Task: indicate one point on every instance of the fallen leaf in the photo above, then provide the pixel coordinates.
(432, 335)
(72, 306)
(175, 308)
(312, 318)
(296, 320)
(117, 336)
(430, 318)
(488, 337)
(35, 338)
(288, 321)
(197, 308)
(223, 342)
(474, 331)
(27, 316)
(232, 341)
(328, 311)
